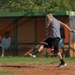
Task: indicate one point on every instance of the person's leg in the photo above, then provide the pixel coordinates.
(3, 49)
(60, 57)
(37, 50)
(61, 44)
(62, 64)
(40, 47)
(46, 43)
(63, 52)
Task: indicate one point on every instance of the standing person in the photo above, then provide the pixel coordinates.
(61, 42)
(5, 43)
(53, 40)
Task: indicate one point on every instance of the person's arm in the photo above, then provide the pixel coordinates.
(67, 27)
(9, 40)
(3, 40)
(49, 17)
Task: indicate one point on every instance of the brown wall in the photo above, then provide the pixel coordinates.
(7, 25)
(26, 32)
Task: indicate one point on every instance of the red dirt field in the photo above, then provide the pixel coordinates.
(39, 69)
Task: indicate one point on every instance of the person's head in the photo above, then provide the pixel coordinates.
(6, 34)
(49, 15)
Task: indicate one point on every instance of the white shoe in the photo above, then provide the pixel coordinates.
(2, 55)
(34, 56)
(63, 65)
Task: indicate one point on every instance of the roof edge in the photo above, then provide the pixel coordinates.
(18, 14)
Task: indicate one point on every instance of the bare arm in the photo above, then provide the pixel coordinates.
(49, 20)
(67, 27)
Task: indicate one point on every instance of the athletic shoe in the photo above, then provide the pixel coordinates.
(62, 65)
(2, 55)
(34, 56)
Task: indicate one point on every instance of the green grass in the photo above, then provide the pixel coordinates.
(24, 60)
(8, 72)
(27, 60)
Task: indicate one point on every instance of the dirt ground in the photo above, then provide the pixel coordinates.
(39, 69)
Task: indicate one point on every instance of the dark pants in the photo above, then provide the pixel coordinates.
(49, 42)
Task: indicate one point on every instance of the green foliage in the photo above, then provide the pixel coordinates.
(35, 5)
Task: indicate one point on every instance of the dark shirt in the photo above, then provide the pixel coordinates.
(62, 32)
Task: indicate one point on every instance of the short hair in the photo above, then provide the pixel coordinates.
(49, 12)
(6, 32)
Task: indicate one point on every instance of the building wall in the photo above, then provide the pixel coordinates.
(7, 25)
(26, 33)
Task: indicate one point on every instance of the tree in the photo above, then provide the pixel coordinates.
(16, 5)
(35, 5)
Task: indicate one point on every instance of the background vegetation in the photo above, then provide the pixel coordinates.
(36, 5)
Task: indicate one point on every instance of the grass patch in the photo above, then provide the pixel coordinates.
(6, 72)
(24, 60)
(72, 59)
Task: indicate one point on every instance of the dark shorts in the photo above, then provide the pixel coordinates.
(49, 42)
